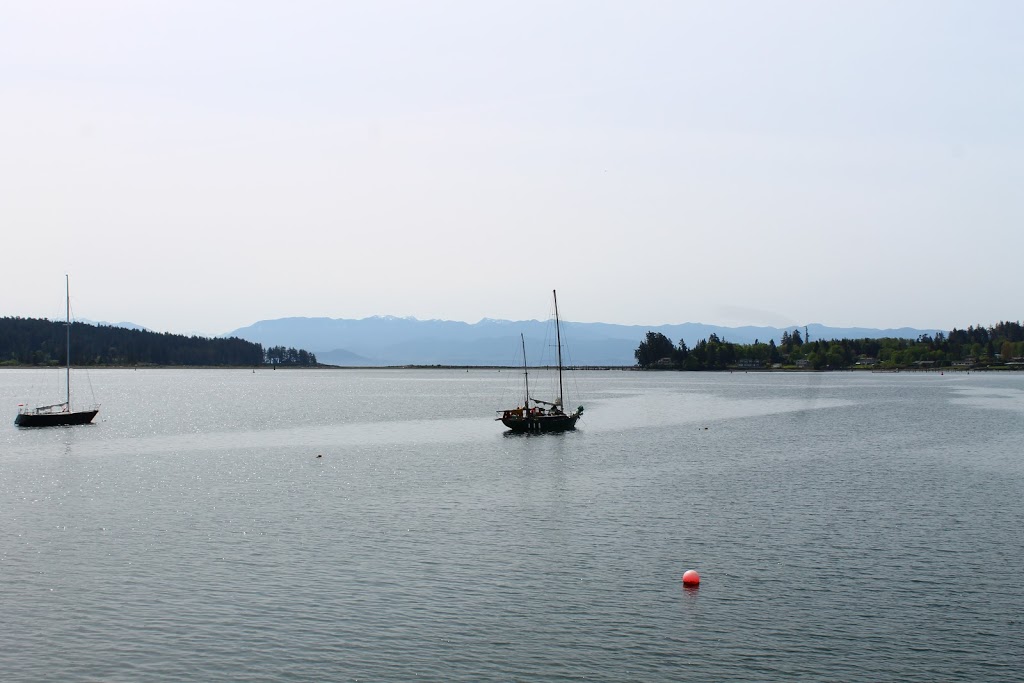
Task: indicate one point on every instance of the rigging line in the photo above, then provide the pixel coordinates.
(566, 350)
(546, 361)
(81, 366)
(571, 369)
(511, 389)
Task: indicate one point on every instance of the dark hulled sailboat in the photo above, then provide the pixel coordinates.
(541, 416)
(58, 414)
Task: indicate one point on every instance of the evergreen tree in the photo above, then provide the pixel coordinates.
(655, 347)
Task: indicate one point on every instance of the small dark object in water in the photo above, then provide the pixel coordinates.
(319, 455)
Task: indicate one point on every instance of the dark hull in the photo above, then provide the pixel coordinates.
(55, 419)
(539, 424)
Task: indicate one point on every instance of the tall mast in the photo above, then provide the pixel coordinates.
(526, 372)
(67, 323)
(558, 334)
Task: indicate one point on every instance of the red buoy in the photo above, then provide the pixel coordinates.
(691, 578)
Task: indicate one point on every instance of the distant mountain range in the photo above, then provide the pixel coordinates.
(104, 323)
(388, 341)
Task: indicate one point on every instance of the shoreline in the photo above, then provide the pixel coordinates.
(580, 368)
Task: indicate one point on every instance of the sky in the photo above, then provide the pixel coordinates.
(196, 167)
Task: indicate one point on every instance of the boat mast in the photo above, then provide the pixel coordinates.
(67, 323)
(526, 372)
(558, 335)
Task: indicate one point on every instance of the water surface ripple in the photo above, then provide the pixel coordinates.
(847, 526)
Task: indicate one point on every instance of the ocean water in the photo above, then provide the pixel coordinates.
(846, 526)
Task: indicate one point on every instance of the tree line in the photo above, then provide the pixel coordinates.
(34, 341)
(279, 355)
(1001, 344)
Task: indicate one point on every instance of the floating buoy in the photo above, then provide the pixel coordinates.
(691, 578)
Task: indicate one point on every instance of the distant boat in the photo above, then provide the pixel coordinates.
(58, 414)
(542, 416)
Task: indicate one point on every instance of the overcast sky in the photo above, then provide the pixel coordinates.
(199, 166)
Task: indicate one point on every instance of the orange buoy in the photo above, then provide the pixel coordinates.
(691, 578)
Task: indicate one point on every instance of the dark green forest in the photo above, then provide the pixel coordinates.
(999, 346)
(33, 341)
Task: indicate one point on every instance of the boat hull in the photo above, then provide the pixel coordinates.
(540, 424)
(80, 417)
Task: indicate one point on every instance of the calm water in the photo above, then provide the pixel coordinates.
(856, 527)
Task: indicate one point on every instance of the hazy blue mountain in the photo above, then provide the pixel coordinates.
(407, 341)
(104, 323)
(343, 357)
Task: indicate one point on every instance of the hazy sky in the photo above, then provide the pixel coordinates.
(199, 166)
